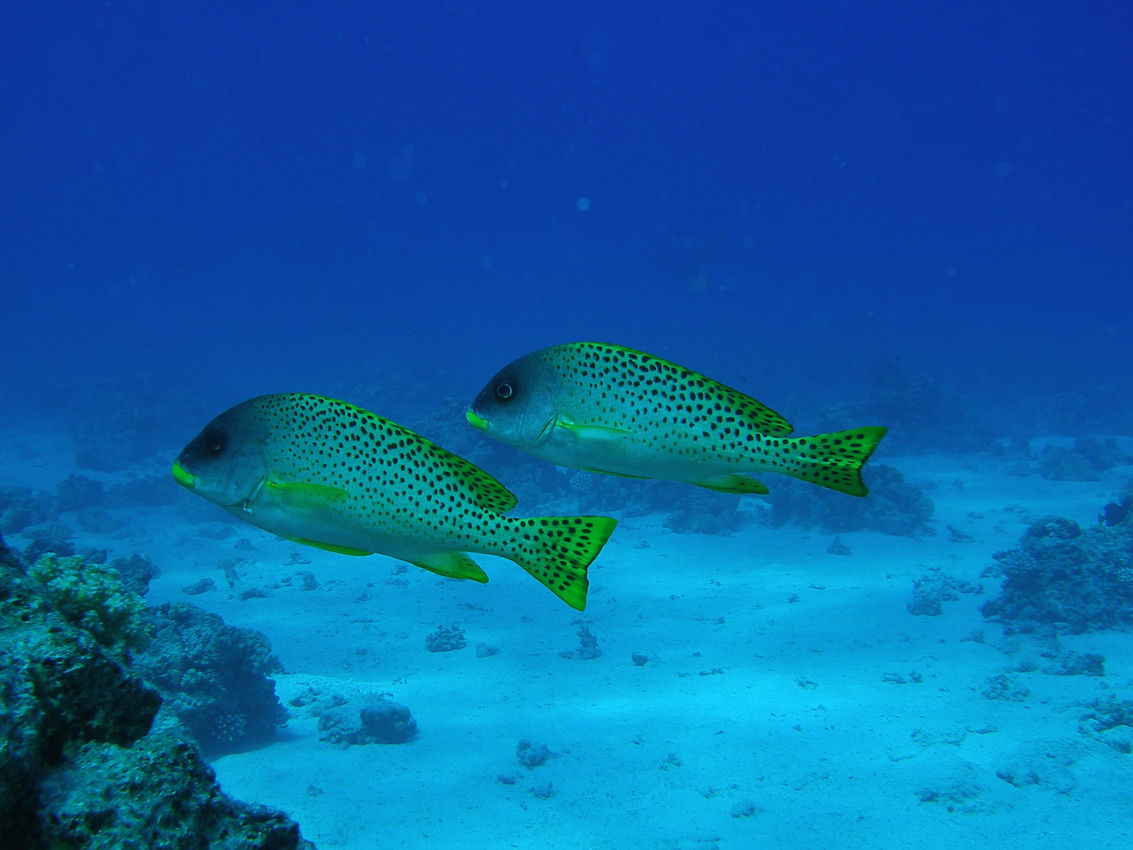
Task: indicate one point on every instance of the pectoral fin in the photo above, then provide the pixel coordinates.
(732, 484)
(451, 565)
(301, 495)
(591, 433)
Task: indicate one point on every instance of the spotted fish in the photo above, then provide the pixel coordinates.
(605, 408)
(329, 474)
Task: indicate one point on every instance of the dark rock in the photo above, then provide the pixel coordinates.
(198, 587)
(381, 721)
(838, 548)
(531, 754)
(445, 639)
(97, 800)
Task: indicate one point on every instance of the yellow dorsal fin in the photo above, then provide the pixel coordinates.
(489, 493)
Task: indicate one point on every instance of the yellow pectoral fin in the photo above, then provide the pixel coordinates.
(591, 433)
(330, 547)
(451, 565)
(302, 495)
(732, 484)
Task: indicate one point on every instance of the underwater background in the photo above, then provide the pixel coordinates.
(911, 215)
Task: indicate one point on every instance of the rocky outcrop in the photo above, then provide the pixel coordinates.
(79, 764)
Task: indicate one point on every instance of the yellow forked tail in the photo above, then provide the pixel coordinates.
(557, 550)
(833, 460)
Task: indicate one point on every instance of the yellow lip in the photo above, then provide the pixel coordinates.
(182, 477)
(477, 422)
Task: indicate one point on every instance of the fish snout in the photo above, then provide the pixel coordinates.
(185, 479)
(475, 420)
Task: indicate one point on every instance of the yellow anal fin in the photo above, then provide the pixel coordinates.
(618, 474)
(451, 565)
(330, 547)
(740, 484)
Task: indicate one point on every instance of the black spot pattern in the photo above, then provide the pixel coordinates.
(401, 485)
(670, 411)
(673, 414)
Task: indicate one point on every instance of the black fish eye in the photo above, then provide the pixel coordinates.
(213, 441)
(505, 390)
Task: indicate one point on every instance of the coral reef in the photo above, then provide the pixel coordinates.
(79, 765)
(920, 412)
(1067, 578)
(700, 511)
(214, 677)
(1086, 461)
(934, 588)
(49, 536)
(20, 508)
(893, 506)
(93, 597)
(78, 492)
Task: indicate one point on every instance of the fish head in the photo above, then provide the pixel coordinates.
(518, 405)
(226, 462)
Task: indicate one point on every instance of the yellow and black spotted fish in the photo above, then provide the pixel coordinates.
(605, 408)
(329, 474)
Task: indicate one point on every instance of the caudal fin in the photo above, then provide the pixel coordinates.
(834, 460)
(557, 550)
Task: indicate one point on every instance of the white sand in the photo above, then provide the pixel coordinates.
(762, 719)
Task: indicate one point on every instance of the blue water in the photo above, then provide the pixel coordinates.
(917, 215)
(785, 197)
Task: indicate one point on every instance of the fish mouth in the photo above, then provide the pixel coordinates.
(475, 420)
(185, 479)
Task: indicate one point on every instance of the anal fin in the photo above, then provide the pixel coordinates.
(330, 547)
(451, 565)
(740, 484)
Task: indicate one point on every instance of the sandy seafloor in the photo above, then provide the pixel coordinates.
(770, 712)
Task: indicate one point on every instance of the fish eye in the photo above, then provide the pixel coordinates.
(505, 390)
(213, 440)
